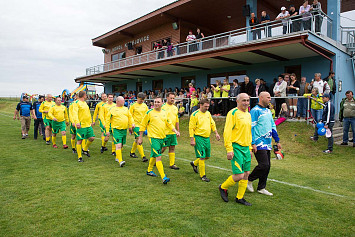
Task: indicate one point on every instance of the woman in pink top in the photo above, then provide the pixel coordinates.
(191, 89)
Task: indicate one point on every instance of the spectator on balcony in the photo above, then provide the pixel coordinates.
(332, 84)
(233, 93)
(169, 49)
(347, 116)
(280, 91)
(253, 22)
(283, 17)
(225, 102)
(265, 19)
(302, 102)
(317, 12)
(190, 38)
(199, 37)
(158, 48)
(306, 15)
(293, 89)
(316, 109)
(295, 22)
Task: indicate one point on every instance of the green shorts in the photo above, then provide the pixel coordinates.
(47, 122)
(136, 132)
(241, 159)
(202, 147)
(72, 129)
(156, 145)
(84, 133)
(103, 129)
(119, 136)
(58, 126)
(170, 140)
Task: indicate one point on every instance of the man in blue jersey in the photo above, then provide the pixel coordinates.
(263, 129)
(38, 125)
(25, 108)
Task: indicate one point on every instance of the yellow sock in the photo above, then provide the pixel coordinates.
(202, 168)
(140, 150)
(83, 143)
(64, 139)
(72, 143)
(87, 144)
(103, 141)
(134, 147)
(78, 150)
(228, 183)
(47, 139)
(119, 155)
(242, 186)
(196, 162)
(151, 164)
(160, 168)
(113, 147)
(54, 140)
(172, 158)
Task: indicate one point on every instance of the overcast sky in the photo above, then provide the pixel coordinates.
(45, 44)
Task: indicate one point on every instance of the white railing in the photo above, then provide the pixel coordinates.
(318, 22)
(348, 38)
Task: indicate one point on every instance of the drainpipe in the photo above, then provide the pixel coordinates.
(318, 52)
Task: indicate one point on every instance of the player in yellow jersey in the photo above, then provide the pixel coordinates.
(138, 110)
(59, 116)
(102, 118)
(83, 122)
(119, 119)
(200, 126)
(99, 110)
(237, 140)
(171, 140)
(44, 108)
(156, 121)
(72, 126)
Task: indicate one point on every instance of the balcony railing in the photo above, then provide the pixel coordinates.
(318, 22)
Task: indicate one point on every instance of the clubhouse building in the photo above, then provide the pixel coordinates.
(230, 49)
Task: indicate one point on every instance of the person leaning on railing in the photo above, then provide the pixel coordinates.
(316, 7)
(265, 18)
(253, 22)
(306, 15)
(316, 109)
(295, 22)
(282, 16)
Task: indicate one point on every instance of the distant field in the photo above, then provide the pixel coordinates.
(46, 192)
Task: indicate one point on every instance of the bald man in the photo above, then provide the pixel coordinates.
(237, 140)
(263, 129)
(44, 109)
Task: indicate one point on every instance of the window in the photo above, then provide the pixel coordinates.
(117, 56)
(139, 50)
(185, 81)
(158, 85)
(212, 78)
(119, 88)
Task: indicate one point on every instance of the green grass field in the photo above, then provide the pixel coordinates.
(46, 192)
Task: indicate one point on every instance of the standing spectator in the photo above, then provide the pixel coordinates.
(247, 87)
(293, 89)
(190, 38)
(259, 87)
(317, 82)
(199, 36)
(332, 85)
(25, 108)
(38, 125)
(306, 15)
(225, 91)
(265, 19)
(253, 22)
(216, 94)
(317, 9)
(208, 93)
(158, 47)
(316, 109)
(295, 21)
(282, 16)
(328, 120)
(170, 49)
(262, 81)
(191, 90)
(302, 102)
(347, 116)
(233, 93)
(280, 91)
(160, 93)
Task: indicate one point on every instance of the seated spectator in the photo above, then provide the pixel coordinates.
(255, 30)
(347, 116)
(283, 17)
(316, 109)
(283, 114)
(265, 18)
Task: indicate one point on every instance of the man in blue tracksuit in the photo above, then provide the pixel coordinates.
(39, 121)
(328, 120)
(25, 109)
(263, 129)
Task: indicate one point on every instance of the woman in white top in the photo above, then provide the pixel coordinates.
(280, 91)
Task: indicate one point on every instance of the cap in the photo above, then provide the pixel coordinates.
(283, 8)
(326, 95)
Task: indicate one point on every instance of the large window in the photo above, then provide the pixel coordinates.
(119, 88)
(212, 78)
(117, 56)
(158, 85)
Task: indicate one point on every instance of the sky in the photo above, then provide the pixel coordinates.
(45, 45)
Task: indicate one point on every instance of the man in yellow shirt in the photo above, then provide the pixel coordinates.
(171, 139)
(200, 126)
(156, 120)
(106, 129)
(225, 102)
(119, 118)
(237, 140)
(44, 108)
(83, 122)
(72, 126)
(99, 110)
(138, 109)
(59, 116)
